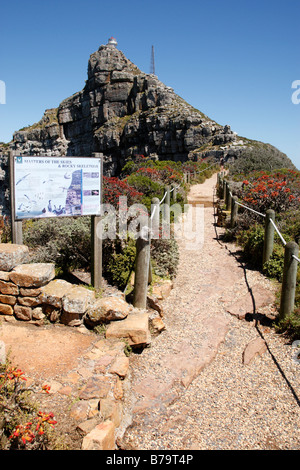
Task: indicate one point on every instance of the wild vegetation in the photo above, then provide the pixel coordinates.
(23, 426)
(262, 189)
(66, 241)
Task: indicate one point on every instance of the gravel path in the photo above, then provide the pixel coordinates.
(191, 389)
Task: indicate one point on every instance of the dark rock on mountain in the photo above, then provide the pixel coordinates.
(122, 112)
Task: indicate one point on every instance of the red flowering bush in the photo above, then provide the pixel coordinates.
(114, 188)
(279, 191)
(21, 427)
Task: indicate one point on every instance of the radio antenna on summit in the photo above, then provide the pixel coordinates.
(152, 66)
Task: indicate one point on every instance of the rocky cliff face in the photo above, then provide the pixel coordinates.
(122, 112)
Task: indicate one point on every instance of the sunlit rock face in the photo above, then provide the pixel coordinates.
(122, 112)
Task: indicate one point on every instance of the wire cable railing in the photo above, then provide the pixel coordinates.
(289, 277)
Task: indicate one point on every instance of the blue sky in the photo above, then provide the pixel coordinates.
(234, 60)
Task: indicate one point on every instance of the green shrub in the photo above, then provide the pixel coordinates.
(165, 257)
(252, 242)
(274, 267)
(259, 156)
(147, 186)
(63, 241)
(120, 258)
(290, 326)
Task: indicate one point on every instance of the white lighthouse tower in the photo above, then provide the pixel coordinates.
(112, 42)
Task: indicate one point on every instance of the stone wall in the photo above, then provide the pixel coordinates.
(30, 292)
(21, 283)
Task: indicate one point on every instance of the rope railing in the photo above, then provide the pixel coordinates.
(142, 262)
(291, 259)
(279, 234)
(250, 209)
(165, 195)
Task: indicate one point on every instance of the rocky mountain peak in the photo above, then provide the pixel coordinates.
(122, 112)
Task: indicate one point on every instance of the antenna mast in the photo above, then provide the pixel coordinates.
(152, 67)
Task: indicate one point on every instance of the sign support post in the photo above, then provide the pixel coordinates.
(96, 241)
(16, 225)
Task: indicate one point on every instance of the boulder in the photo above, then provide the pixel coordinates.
(256, 347)
(29, 301)
(32, 275)
(244, 305)
(95, 387)
(6, 309)
(37, 313)
(77, 300)
(8, 288)
(102, 437)
(162, 290)
(12, 255)
(107, 309)
(134, 329)
(4, 276)
(71, 319)
(112, 410)
(120, 366)
(8, 299)
(55, 291)
(23, 313)
(158, 324)
(30, 292)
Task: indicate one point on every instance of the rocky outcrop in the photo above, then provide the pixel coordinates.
(122, 112)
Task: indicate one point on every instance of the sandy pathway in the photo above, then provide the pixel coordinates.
(191, 389)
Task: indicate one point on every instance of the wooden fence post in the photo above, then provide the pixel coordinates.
(234, 211)
(96, 242)
(220, 187)
(218, 181)
(287, 301)
(228, 197)
(269, 235)
(168, 198)
(141, 277)
(224, 190)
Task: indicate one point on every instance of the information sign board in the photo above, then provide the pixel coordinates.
(56, 186)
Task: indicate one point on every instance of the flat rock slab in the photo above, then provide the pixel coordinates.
(53, 293)
(135, 329)
(100, 438)
(178, 369)
(250, 303)
(107, 309)
(12, 255)
(77, 300)
(96, 387)
(256, 347)
(32, 275)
